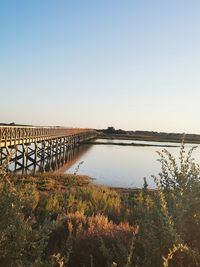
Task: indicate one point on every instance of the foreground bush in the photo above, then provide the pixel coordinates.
(22, 239)
(104, 241)
(169, 218)
(35, 225)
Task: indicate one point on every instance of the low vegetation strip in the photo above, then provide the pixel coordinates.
(61, 220)
(126, 144)
(112, 133)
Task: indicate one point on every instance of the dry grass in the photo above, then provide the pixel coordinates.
(51, 182)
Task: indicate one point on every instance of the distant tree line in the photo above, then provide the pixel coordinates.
(112, 130)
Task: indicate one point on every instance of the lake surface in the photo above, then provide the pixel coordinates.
(122, 166)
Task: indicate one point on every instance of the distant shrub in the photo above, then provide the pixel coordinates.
(112, 130)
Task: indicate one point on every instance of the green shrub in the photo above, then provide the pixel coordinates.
(23, 238)
(94, 200)
(169, 216)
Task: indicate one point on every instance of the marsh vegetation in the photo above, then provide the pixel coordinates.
(66, 220)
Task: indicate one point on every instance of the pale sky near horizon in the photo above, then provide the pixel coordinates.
(129, 64)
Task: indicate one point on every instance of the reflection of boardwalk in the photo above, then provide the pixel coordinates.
(39, 148)
(73, 156)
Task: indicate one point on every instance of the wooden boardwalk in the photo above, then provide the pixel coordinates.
(39, 148)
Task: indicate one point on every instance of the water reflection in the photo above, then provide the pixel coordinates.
(43, 162)
(74, 157)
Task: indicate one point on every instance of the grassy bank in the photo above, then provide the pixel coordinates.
(153, 137)
(66, 220)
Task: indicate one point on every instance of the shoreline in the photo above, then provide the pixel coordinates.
(126, 144)
(150, 138)
(56, 182)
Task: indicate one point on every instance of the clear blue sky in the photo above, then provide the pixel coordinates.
(131, 64)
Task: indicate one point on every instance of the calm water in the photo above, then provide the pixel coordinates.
(122, 166)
